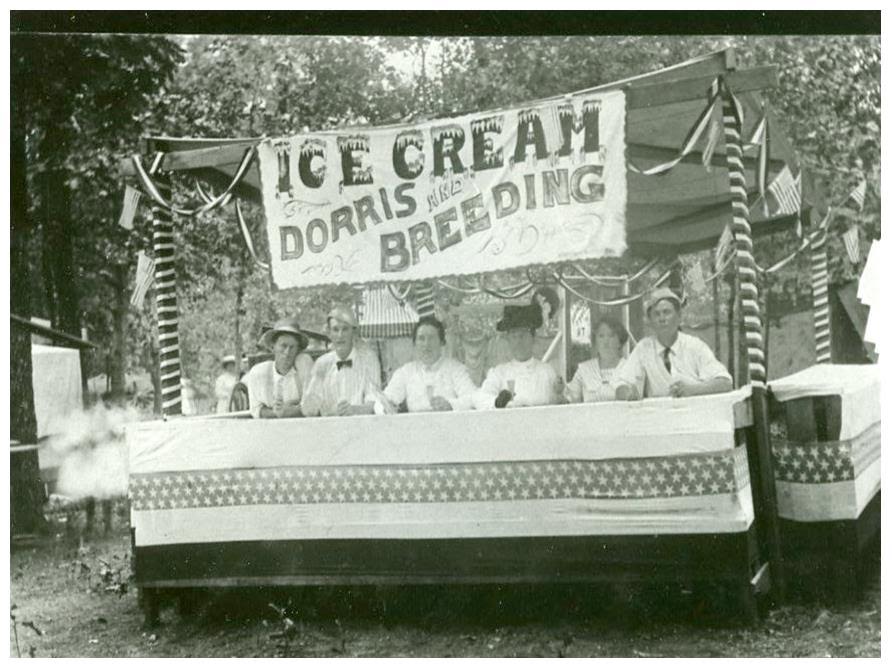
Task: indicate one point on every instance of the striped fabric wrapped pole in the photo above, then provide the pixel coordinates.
(166, 300)
(764, 490)
(424, 298)
(743, 242)
(819, 278)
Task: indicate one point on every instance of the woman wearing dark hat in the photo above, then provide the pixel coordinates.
(525, 380)
(592, 381)
(276, 387)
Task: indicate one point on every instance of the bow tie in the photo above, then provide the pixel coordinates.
(344, 363)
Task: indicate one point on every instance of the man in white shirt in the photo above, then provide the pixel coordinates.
(346, 380)
(431, 382)
(525, 380)
(669, 363)
(225, 383)
(276, 387)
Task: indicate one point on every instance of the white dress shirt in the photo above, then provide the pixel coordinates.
(447, 378)
(534, 384)
(691, 359)
(358, 383)
(591, 383)
(266, 386)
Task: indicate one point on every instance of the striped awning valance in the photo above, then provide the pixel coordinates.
(381, 315)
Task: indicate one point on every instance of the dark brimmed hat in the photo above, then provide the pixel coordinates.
(661, 294)
(284, 326)
(528, 316)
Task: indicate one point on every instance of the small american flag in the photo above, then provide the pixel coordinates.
(128, 210)
(858, 195)
(853, 244)
(787, 193)
(145, 272)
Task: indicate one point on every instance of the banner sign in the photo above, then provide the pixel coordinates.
(476, 193)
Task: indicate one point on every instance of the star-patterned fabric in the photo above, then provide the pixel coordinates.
(628, 478)
(825, 461)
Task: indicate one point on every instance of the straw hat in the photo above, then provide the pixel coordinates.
(343, 314)
(661, 294)
(284, 326)
(227, 359)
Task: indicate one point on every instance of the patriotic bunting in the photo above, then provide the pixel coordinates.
(858, 195)
(246, 233)
(145, 268)
(724, 248)
(424, 299)
(819, 278)
(153, 191)
(787, 193)
(128, 210)
(690, 141)
(761, 139)
(853, 244)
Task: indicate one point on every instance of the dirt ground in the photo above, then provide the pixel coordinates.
(73, 598)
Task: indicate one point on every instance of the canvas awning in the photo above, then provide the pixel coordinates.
(382, 316)
(685, 210)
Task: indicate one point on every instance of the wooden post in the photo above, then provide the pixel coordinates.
(566, 333)
(166, 313)
(763, 468)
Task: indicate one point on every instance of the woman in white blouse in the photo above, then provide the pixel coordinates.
(592, 381)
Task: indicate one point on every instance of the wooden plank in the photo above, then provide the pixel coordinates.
(695, 88)
(801, 420)
(530, 559)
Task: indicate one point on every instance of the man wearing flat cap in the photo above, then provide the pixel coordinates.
(524, 380)
(225, 383)
(276, 387)
(669, 363)
(346, 380)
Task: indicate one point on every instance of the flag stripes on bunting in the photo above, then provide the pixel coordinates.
(858, 194)
(128, 210)
(161, 196)
(819, 283)
(743, 241)
(145, 266)
(424, 299)
(761, 139)
(166, 298)
(853, 244)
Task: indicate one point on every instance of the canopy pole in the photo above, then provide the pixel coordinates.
(819, 279)
(166, 313)
(762, 467)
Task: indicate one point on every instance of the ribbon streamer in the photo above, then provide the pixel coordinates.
(690, 141)
(207, 198)
(246, 233)
(149, 185)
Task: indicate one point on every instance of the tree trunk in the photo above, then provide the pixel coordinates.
(118, 360)
(26, 492)
(59, 233)
(239, 312)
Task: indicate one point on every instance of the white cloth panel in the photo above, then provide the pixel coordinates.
(858, 385)
(652, 427)
(56, 376)
(723, 513)
(818, 502)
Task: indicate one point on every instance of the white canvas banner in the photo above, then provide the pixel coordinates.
(477, 193)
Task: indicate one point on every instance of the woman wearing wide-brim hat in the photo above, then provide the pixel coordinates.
(276, 387)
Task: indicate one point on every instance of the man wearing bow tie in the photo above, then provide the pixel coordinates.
(346, 380)
(669, 363)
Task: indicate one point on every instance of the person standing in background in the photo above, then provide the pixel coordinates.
(225, 383)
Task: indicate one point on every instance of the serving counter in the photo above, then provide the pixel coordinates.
(658, 489)
(827, 465)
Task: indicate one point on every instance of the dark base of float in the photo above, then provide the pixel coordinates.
(729, 559)
(827, 559)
